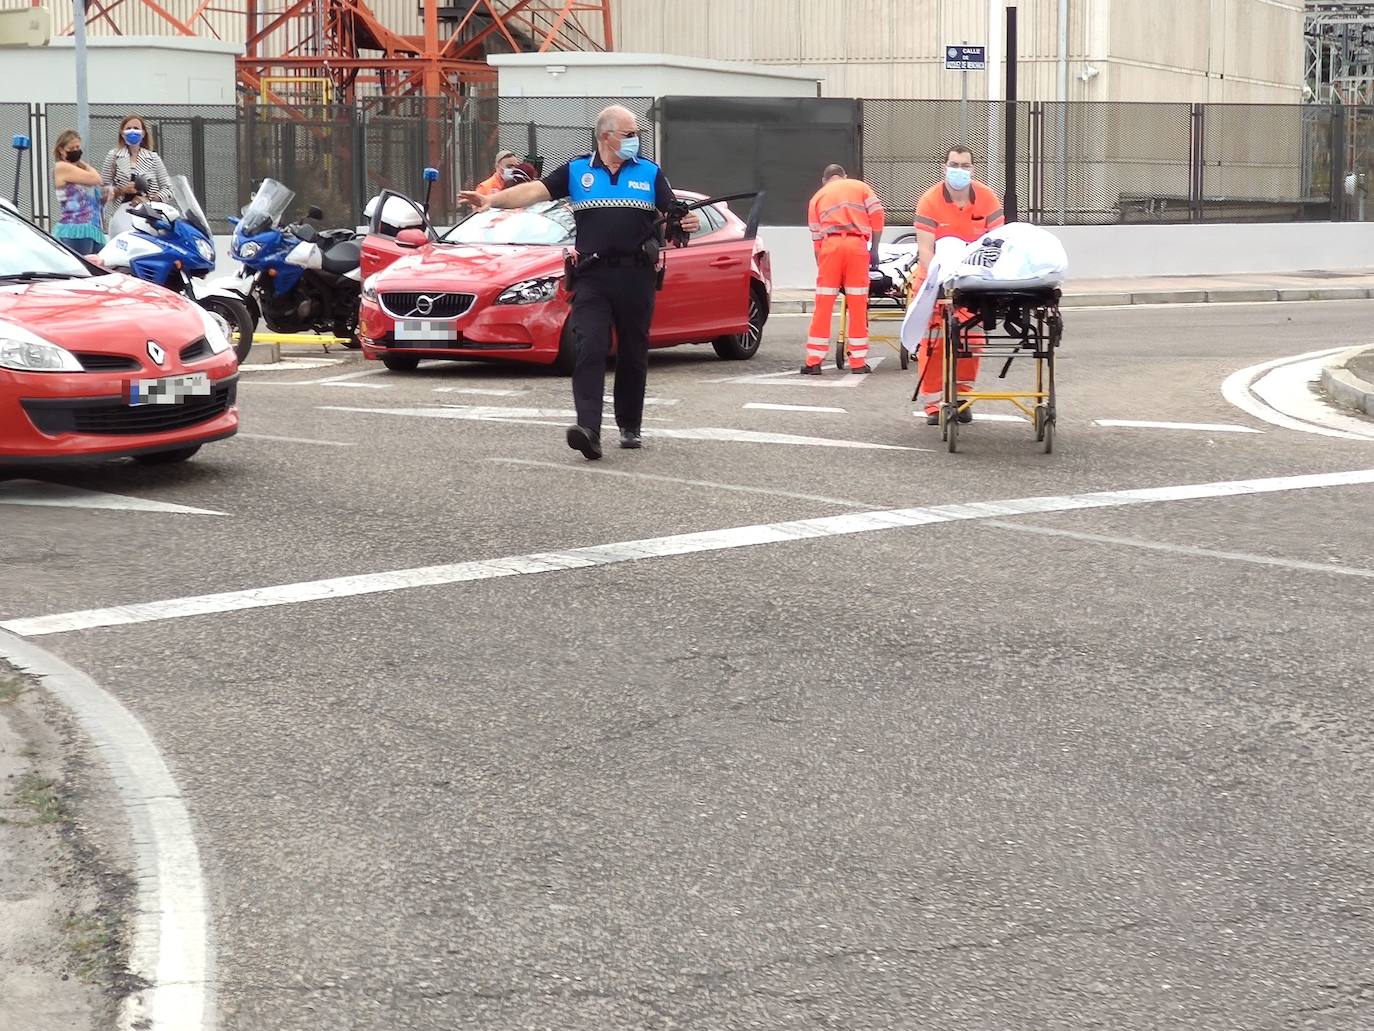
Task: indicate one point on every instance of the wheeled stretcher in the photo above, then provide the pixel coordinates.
(891, 288)
(1006, 319)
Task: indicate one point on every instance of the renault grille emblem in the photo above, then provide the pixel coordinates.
(156, 353)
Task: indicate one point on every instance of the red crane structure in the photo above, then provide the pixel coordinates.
(342, 48)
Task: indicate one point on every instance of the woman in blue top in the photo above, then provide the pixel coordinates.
(79, 194)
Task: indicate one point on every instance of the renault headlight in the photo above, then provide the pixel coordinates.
(216, 331)
(24, 351)
(531, 291)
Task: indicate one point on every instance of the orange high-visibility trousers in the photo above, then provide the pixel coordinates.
(930, 362)
(841, 265)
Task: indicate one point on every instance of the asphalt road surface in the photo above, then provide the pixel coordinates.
(1085, 763)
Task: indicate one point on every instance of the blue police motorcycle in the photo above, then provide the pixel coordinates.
(171, 245)
(300, 278)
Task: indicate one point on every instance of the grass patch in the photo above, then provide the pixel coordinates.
(10, 688)
(40, 796)
(89, 938)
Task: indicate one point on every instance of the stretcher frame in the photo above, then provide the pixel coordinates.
(888, 309)
(1012, 324)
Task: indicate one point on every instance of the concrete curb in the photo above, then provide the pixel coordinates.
(1233, 295)
(1344, 387)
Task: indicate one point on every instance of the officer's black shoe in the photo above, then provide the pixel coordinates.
(932, 418)
(862, 370)
(631, 440)
(582, 439)
(811, 370)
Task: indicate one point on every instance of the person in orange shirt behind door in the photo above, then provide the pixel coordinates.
(846, 219)
(500, 178)
(961, 207)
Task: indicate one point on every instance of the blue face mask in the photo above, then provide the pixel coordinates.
(133, 137)
(629, 148)
(958, 178)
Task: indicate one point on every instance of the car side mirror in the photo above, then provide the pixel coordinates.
(314, 212)
(411, 238)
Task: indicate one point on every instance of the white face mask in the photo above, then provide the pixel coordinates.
(509, 173)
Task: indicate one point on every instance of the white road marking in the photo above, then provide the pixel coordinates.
(294, 440)
(1190, 552)
(1209, 427)
(763, 406)
(831, 378)
(293, 364)
(1277, 392)
(59, 495)
(169, 942)
(610, 399)
(360, 374)
(990, 417)
(355, 386)
(480, 391)
(591, 468)
(526, 416)
(658, 547)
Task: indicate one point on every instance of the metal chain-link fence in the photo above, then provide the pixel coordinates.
(1077, 163)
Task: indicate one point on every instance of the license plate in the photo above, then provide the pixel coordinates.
(170, 391)
(425, 331)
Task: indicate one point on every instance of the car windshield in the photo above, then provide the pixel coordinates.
(549, 223)
(267, 207)
(185, 200)
(26, 253)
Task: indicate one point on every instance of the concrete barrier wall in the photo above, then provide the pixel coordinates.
(1110, 252)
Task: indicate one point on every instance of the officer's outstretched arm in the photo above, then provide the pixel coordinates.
(521, 196)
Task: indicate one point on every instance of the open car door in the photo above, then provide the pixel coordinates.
(391, 212)
(706, 286)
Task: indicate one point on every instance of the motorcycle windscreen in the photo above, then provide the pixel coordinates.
(266, 209)
(185, 200)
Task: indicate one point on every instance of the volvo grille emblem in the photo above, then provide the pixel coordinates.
(156, 353)
(424, 304)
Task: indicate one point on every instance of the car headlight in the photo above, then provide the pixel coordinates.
(216, 331)
(369, 291)
(23, 351)
(249, 251)
(531, 291)
(206, 251)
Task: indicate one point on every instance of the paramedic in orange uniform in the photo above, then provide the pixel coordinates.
(846, 219)
(961, 207)
(499, 179)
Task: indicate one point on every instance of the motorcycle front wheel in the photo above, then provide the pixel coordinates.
(238, 323)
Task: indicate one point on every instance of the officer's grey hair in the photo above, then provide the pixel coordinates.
(607, 119)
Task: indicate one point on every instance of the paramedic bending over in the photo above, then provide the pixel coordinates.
(961, 207)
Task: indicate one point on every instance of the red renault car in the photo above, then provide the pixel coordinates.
(490, 287)
(97, 364)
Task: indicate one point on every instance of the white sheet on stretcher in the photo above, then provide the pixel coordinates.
(1016, 256)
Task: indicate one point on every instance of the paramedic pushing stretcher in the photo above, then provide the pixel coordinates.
(616, 198)
(963, 208)
(846, 219)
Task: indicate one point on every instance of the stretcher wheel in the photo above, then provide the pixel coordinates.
(1040, 419)
(951, 415)
(840, 356)
(903, 356)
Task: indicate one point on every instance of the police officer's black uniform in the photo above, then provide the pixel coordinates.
(615, 282)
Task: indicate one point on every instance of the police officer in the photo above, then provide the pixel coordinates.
(616, 197)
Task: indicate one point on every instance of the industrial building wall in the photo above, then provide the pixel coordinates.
(1151, 50)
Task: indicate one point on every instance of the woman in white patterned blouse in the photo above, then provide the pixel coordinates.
(133, 156)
